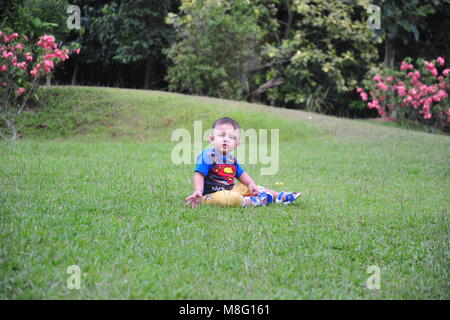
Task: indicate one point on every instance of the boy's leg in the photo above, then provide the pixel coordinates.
(225, 198)
(228, 198)
(243, 190)
(249, 199)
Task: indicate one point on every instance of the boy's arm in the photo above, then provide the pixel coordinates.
(248, 181)
(196, 198)
(198, 182)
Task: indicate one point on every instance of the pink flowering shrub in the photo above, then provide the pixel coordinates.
(417, 93)
(22, 66)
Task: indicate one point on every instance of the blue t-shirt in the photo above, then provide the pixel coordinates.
(219, 170)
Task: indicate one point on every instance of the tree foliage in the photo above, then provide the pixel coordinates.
(327, 50)
(217, 45)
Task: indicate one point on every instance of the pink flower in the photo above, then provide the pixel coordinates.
(20, 91)
(436, 98)
(440, 61)
(22, 65)
(28, 56)
(7, 55)
(389, 79)
(405, 66)
(61, 54)
(48, 56)
(432, 89)
(359, 90)
(77, 51)
(48, 65)
(429, 65)
(434, 72)
(47, 42)
(377, 78)
(4, 84)
(407, 100)
(363, 96)
(382, 86)
(3, 68)
(401, 90)
(427, 115)
(446, 72)
(373, 104)
(442, 94)
(19, 46)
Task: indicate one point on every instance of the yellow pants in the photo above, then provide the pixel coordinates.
(227, 198)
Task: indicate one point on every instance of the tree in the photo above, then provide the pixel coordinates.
(135, 32)
(35, 17)
(326, 50)
(401, 21)
(217, 47)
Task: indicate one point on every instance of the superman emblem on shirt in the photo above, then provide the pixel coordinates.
(225, 171)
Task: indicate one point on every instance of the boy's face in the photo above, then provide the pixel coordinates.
(225, 138)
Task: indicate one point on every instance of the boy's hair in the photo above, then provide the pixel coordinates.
(226, 120)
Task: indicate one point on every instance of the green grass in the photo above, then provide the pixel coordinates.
(91, 183)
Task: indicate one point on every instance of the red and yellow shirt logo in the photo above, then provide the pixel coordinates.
(225, 171)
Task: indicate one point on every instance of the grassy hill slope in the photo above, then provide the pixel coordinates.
(92, 184)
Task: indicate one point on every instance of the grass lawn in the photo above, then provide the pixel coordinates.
(91, 183)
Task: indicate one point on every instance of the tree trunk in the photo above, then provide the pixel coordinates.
(119, 78)
(47, 80)
(290, 17)
(389, 53)
(149, 73)
(75, 73)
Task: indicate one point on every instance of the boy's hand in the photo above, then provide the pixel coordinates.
(194, 199)
(253, 189)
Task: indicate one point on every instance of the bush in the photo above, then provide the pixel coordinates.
(412, 94)
(22, 65)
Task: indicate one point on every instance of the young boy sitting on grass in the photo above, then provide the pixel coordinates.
(216, 169)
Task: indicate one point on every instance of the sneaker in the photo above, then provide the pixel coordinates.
(289, 197)
(262, 199)
(265, 198)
